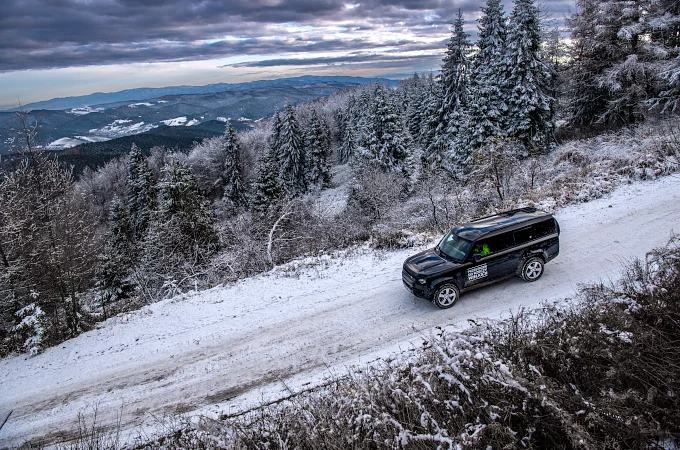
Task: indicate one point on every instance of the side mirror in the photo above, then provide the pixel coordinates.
(476, 257)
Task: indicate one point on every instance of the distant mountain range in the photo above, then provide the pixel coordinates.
(185, 112)
(140, 94)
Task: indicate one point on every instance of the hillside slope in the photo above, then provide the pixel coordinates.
(225, 348)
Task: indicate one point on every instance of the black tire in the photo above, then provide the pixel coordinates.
(532, 269)
(446, 295)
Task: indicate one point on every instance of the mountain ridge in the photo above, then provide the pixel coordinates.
(148, 93)
(242, 105)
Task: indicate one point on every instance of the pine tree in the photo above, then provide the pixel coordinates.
(319, 147)
(391, 149)
(30, 332)
(663, 21)
(266, 190)
(349, 134)
(291, 154)
(529, 105)
(433, 127)
(140, 193)
(615, 67)
(487, 107)
(632, 79)
(232, 178)
(182, 230)
(586, 99)
(455, 76)
(669, 97)
(416, 99)
(365, 119)
(275, 137)
(456, 91)
(117, 259)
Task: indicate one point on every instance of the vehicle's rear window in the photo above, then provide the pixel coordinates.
(498, 243)
(535, 231)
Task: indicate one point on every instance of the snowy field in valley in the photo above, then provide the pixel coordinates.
(225, 349)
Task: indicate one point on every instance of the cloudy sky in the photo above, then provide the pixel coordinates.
(56, 48)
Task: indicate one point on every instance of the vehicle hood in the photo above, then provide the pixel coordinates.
(428, 263)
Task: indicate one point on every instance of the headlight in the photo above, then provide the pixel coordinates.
(422, 281)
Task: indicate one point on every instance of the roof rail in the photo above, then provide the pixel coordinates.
(526, 209)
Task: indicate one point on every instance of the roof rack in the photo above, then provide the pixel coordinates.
(512, 212)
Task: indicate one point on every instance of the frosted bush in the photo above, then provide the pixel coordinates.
(31, 329)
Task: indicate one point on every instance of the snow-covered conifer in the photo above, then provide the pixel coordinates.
(139, 192)
(487, 105)
(616, 62)
(455, 76)
(349, 134)
(232, 178)
(182, 229)
(415, 94)
(319, 147)
(291, 154)
(391, 148)
(266, 189)
(664, 29)
(275, 137)
(434, 136)
(529, 104)
(365, 119)
(30, 332)
(117, 259)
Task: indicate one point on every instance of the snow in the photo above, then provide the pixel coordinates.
(84, 110)
(92, 138)
(65, 142)
(176, 122)
(134, 105)
(224, 119)
(121, 127)
(68, 142)
(193, 122)
(332, 201)
(228, 348)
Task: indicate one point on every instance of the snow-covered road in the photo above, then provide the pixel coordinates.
(223, 349)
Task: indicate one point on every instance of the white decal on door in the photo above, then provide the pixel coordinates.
(477, 272)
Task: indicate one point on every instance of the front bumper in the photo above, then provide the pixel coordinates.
(410, 283)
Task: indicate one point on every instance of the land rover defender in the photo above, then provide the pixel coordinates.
(517, 242)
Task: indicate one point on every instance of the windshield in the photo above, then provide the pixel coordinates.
(454, 247)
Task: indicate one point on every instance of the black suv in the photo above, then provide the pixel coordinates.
(517, 242)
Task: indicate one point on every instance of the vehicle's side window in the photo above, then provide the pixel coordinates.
(536, 231)
(482, 248)
(493, 244)
(501, 242)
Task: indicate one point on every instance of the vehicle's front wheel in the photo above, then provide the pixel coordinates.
(446, 296)
(532, 269)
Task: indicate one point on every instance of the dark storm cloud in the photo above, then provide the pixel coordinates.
(41, 34)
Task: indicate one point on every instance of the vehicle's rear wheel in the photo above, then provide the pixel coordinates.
(532, 269)
(446, 295)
